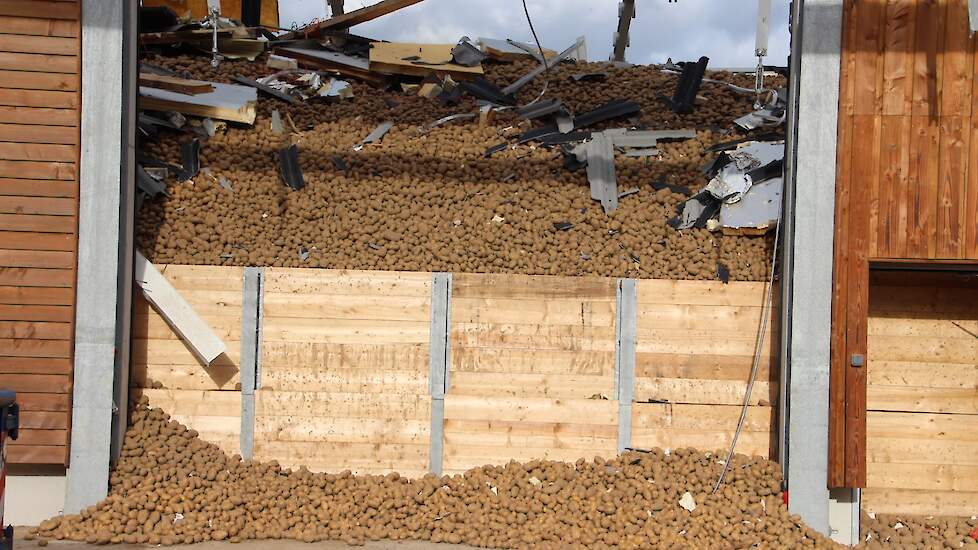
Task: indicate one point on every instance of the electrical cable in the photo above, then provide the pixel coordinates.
(759, 342)
(543, 56)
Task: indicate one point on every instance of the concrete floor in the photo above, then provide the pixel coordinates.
(21, 544)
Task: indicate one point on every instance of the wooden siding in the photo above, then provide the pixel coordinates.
(922, 419)
(39, 119)
(344, 375)
(207, 398)
(197, 9)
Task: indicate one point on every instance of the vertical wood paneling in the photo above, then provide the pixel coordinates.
(958, 66)
(970, 215)
(925, 142)
(898, 57)
(891, 227)
(952, 190)
(928, 56)
(868, 43)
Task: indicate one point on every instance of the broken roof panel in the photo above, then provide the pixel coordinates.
(226, 102)
(418, 60)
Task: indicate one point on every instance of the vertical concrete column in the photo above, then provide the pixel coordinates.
(626, 321)
(103, 306)
(808, 254)
(439, 360)
(250, 363)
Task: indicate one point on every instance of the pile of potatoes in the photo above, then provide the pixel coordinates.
(171, 487)
(432, 201)
(902, 531)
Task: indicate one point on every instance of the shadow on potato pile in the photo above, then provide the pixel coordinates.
(432, 201)
(171, 487)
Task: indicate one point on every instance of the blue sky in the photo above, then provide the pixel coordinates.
(722, 30)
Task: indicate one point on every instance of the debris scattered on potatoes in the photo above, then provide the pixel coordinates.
(905, 531)
(171, 487)
(432, 201)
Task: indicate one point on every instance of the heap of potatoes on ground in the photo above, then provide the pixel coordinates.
(432, 201)
(170, 487)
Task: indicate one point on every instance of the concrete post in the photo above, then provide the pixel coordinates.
(808, 253)
(104, 279)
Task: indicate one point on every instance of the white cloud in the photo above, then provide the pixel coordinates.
(722, 30)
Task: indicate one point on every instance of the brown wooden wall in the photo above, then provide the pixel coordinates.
(907, 184)
(197, 9)
(908, 75)
(39, 119)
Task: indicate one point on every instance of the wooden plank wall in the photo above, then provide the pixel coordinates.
(39, 119)
(696, 342)
(197, 9)
(906, 187)
(344, 376)
(532, 370)
(922, 423)
(206, 398)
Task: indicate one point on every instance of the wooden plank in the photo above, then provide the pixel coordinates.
(308, 355)
(865, 167)
(20, 365)
(378, 431)
(37, 454)
(923, 426)
(847, 65)
(40, 116)
(541, 337)
(533, 287)
(54, 259)
(40, 331)
(42, 63)
(702, 342)
(923, 399)
(535, 312)
(153, 327)
(38, 152)
(193, 330)
(958, 66)
(40, 8)
(703, 293)
(331, 282)
(36, 383)
(905, 450)
(953, 181)
(175, 352)
(38, 223)
(923, 375)
(23, 80)
(37, 188)
(36, 170)
(39, 44)
(929, 58)
(322, 307)
(392, 58)
(226, 102)
(52, 402)
(38, 26)
(190, 403)
(23, 276)
(356, 17)
(923, 175)
(703, 366)
(27, 133)
(568, 411)
(333, 405)
(29, 296)
(904, 501)
(969, 218)
(175, 84)
(717, 392)
(894, 185)
(359, 458)
(21, 240)
(38, 420)
(868, 41)
(898, 57)
(532, 361)
(930, 477)
(386, 382)
(345, 331)
(564, 386)
(35, 348)
(220, 375)
(706, 427)
(52, 206)
(62, 314)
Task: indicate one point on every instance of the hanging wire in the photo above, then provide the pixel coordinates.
(543, 56)
(758, 344)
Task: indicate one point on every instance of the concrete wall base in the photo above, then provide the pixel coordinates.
(33, 494)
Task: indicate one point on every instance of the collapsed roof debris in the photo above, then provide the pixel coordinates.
(486, 131)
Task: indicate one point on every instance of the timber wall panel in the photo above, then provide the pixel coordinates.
(922, 420)
(205, 398)
(39, 119)
(696, 342)
(344, 375)
(532, 370)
